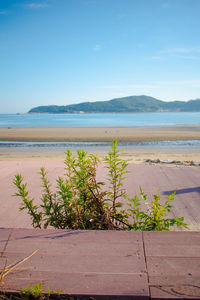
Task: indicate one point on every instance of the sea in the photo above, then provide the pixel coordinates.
(143, 120)
(132, 120)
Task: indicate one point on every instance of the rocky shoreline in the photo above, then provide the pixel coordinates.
(173, 162)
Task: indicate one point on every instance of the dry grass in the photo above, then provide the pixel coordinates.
(9, 268)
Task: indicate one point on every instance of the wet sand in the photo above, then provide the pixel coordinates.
(99, 134)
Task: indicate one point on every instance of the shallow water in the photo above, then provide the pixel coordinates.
(180, 145)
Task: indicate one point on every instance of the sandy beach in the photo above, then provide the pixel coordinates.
(99, 134)
(138, 156)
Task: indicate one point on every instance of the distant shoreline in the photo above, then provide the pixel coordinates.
(135, 104)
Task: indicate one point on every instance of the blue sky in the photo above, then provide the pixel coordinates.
(69, 51)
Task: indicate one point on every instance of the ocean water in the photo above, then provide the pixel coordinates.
(144, 120)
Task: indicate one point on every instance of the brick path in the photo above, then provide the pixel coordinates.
(105, 264)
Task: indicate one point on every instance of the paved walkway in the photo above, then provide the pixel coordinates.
(186, 180)
(105, 264)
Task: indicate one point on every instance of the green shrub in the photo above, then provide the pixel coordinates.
(82, 202)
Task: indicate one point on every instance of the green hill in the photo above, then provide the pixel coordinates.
(122, 105)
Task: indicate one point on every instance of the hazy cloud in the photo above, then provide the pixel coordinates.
(88, 2)
(182, 50)
(178, 52)
(140, 45)
(155, 85)
(36, 5)
(97, 47)
(134, 86)
(186, 56)
(121, 16)
(156, 57)
(190, 83)
(165, 5)
(4, 12)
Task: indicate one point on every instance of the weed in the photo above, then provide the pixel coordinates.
(155, 217)
(9, 268)
(81, 201)
(35, 290)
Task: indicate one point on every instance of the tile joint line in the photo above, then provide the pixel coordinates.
(145, 259)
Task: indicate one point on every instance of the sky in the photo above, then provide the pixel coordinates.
(70, 51)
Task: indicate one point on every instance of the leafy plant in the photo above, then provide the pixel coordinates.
(82, 202)
(155, 217)
(116, 171)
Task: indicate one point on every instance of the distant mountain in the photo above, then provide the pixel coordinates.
(122, 105)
